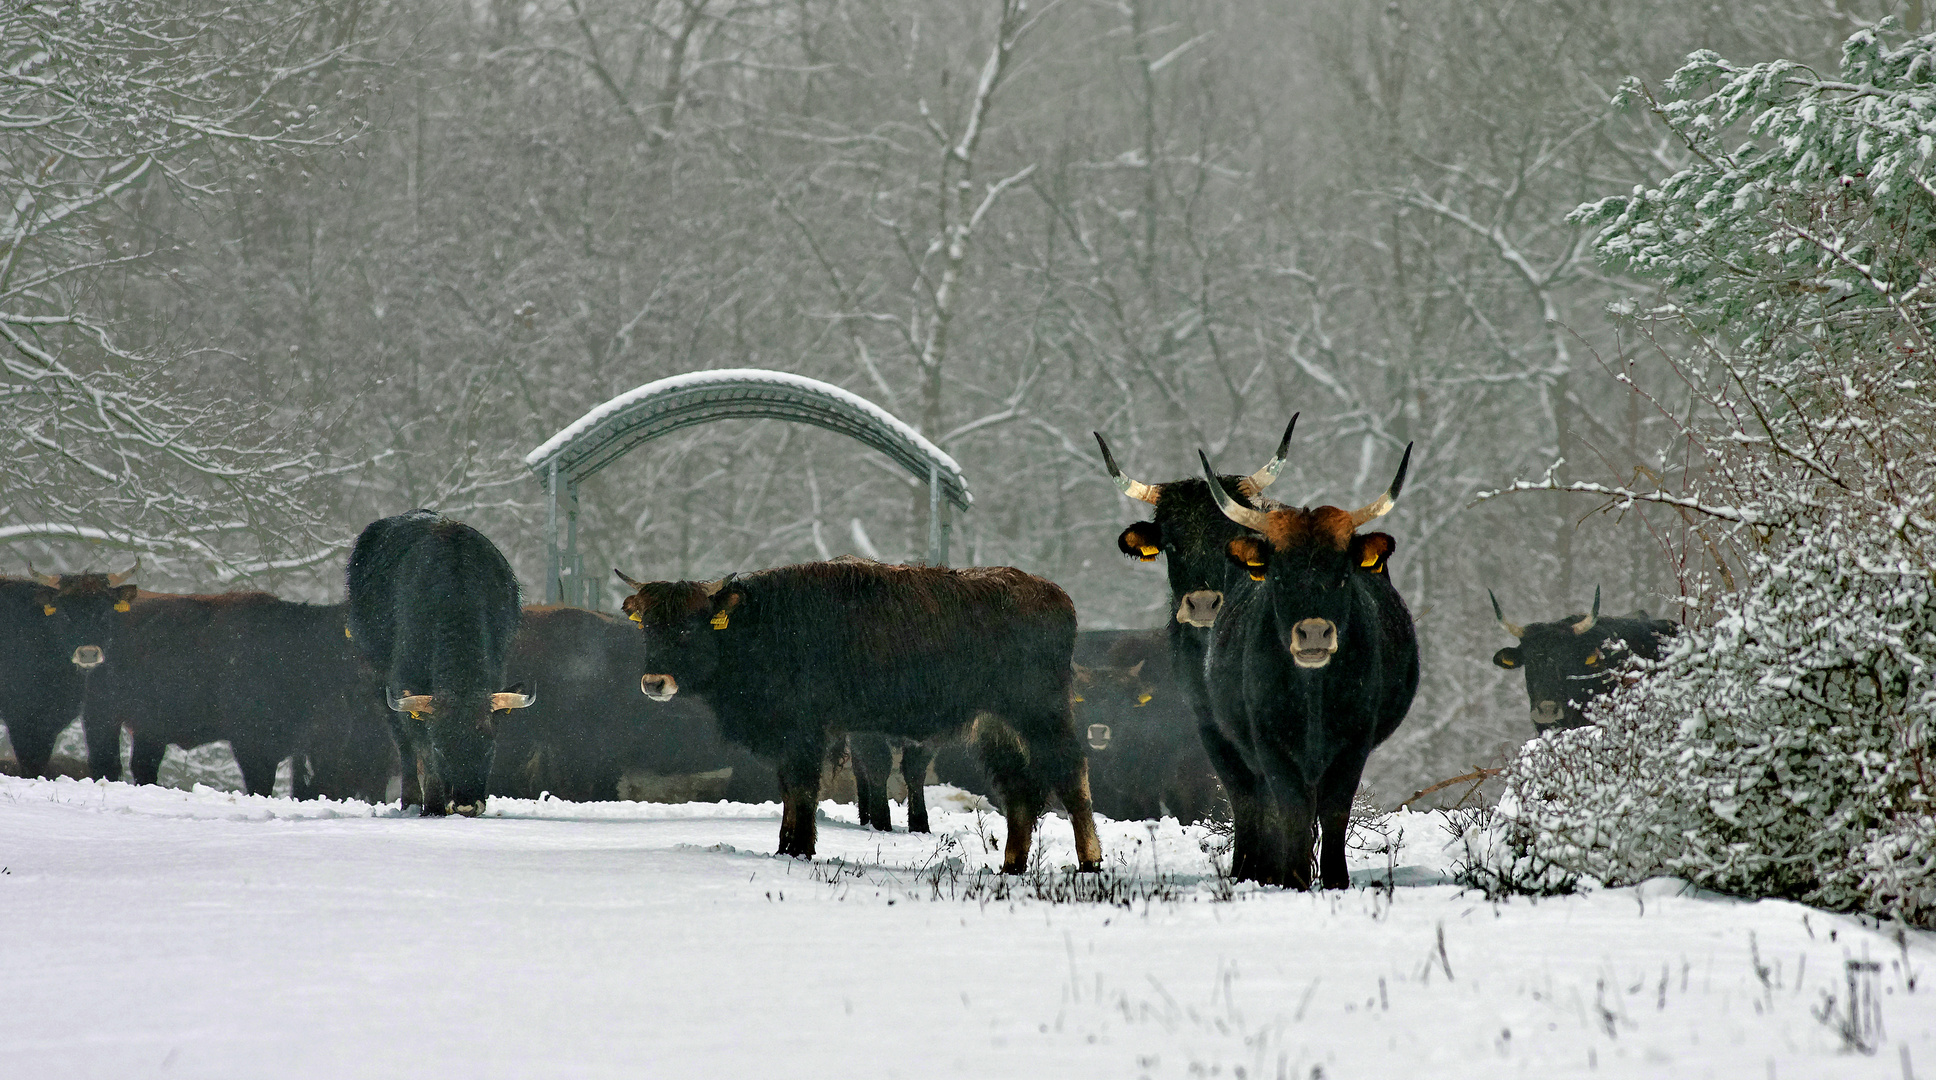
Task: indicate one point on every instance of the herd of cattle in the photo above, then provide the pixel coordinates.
(1288, 658)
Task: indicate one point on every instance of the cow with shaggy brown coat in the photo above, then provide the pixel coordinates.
(790, 658)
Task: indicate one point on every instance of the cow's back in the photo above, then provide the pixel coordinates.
(878, 638)
(433, 604)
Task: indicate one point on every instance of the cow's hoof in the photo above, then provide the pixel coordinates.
(467, 809)
(1089, 868)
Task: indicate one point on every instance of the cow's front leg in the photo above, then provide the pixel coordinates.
(800, 799)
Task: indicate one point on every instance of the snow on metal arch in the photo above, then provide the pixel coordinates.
(640, 415)
(644, 413)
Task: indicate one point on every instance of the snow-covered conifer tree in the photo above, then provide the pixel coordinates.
(1783, 747)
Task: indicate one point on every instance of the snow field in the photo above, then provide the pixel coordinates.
(157, 932)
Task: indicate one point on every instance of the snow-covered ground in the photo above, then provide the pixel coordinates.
(151, 931)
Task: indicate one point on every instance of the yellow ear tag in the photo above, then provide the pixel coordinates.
(637, 618)
(123, 606)
(1595, 658)
(1508, 663)
(1075, 697)
(719, 621)
(416, 716)
(1256, 570)
(1149, 552)
(1370, 559)
(346, 634)
(47, 609)
(1142, 700)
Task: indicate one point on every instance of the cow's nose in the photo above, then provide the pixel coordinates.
(658, 687)
(1313, 641)
(1199, 607)
(88, 657)
(1546, 714)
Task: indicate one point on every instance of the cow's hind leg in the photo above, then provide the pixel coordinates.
(873, 762)
(800, 794)
(914, 769)
(1021, 787)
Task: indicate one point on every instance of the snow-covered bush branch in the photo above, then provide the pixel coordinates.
(101, 440)
(1784, 746)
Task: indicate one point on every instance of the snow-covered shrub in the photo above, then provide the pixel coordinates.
(1782, 747)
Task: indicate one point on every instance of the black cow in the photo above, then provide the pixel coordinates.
(54, 632)
(434, 608)
(1146, 757)
(592, 727)
(274, 678)
(1571, 661)
(789, 658)
(1307, 671)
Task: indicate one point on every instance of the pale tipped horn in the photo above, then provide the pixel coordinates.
(1514, 629)
(627, 580)
(410, 703)
(711, 588)
(500, 702)
(1256, 482)
(1382, 505)
(1232, 509)
(52, 581)
(1586, 624)
(1133, 488)
(122, 578)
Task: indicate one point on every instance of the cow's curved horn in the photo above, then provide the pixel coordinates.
(1243, 515)
(1514, 629)
(1256, 482)
(1586, 624)
(512, 701)
(1133, 488)
(1383, 504)
(122, 578)
(627, 580)
(413, 703)
(711, 588)
(52, 581)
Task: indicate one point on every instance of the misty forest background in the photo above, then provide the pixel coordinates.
(271, 270)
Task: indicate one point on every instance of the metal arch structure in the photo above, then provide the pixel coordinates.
(638, 416)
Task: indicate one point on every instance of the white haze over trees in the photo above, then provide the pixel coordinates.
(273, 270)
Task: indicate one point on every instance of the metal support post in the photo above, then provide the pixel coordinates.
(937, 552)
(551, 536)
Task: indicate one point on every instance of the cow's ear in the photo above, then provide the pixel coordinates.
(1250, 553)
(124, 596)
(1142, 540)
(723, 604)
(1508, 657)
(1369, 552)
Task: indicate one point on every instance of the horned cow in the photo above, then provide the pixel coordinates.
(1571, 661)
(1307, 671)
(433, 606)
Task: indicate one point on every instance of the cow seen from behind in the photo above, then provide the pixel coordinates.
(1571, 661)
(55, 632)
(791, 658)
(433, 606)
(1308, 670)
